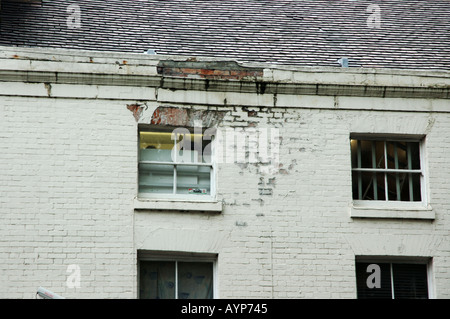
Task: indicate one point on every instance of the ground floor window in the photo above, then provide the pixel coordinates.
(392, 280)
(175, 279)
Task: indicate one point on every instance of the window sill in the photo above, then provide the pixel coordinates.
(398, 210)
(191, 205)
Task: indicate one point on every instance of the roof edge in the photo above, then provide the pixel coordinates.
(133, 64)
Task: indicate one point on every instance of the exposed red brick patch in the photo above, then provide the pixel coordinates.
(136, 109)
(170, 116)
(207, 70)
(173, 116)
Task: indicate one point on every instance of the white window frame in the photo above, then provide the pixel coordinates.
(179, 257)
(394, 208)
(175, 164)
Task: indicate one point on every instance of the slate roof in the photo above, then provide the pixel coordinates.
(413, 34)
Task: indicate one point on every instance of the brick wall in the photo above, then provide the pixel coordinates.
(69, 180)
(298, 241)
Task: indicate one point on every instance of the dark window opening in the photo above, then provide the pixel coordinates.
(386, 170)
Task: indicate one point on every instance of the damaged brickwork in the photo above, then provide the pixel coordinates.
(137, 110)
(174, 116)
(245, 123)
(250, 118)
(208, 70)
(71, 162)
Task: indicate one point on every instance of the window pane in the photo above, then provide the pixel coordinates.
(410, 281)
(367, 278)
(155, 146)
(156, 178)
(370, 185)
(414, 154)
(378, 158)
(156, 155)
(156, 140)
(396, 155)
(403, 155)
(366, 154)
(357, 185)
(195, 280)
(188, 156)
(193, 180)
(371, 154)
(194, 148)
(416, 187)
(398, 186)
(410, 189)
(157, 280)
(190, 148)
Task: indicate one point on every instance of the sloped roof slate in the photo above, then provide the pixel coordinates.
(413, 34)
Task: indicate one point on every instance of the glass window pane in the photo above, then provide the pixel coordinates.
(357, 185)
(194, 180)
(410, 281)
(372, 154)
(160, 146)
(156, 178)
(157, 280)
(398, 186)
(397, 155)
(194, 148)
(366, 154)
(188, 156)
(155, 155)
(207, 148)
(366, 278)
(405, 159)
(404, 187)
(392, 150)
(378, 159)
(155, 140)
(415, 155)
(156, 146)
(402, 155)
(372, 186)
(195, 280)
(410, 187)
(417, 193)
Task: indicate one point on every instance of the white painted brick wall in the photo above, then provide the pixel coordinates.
(305, 243)
(66, 193)
(68, 180)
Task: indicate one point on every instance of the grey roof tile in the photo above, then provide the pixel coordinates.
(414, 34)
